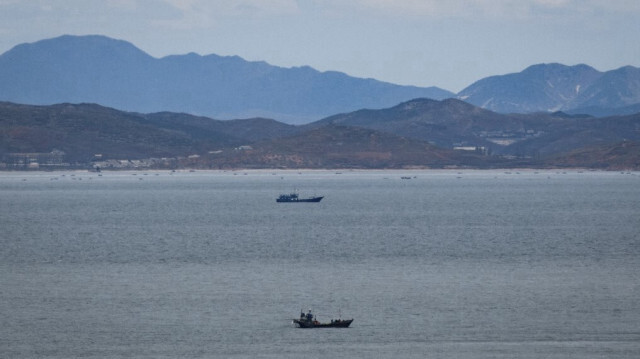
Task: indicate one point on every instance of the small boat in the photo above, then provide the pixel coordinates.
(308, 321)
(293, 197)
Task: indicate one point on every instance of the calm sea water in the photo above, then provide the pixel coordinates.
(448, 264)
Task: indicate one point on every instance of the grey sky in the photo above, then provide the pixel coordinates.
(444, 43)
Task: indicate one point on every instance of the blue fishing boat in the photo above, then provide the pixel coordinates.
(294, 197)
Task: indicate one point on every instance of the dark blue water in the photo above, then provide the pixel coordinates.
(448, 264)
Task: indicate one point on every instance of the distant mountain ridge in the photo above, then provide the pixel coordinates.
(115, 73)
(557, 87)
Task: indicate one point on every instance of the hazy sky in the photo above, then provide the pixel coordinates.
(444, 43)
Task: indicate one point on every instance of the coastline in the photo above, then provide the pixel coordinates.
(400, 173)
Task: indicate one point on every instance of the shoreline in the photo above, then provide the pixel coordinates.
(144, 172)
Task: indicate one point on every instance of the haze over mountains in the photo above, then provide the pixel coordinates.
(114, 73)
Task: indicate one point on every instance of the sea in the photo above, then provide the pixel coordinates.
(428, 263)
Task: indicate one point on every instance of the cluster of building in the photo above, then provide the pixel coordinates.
(33, 160)
(56, 159)
(506, 138)
(142, 163)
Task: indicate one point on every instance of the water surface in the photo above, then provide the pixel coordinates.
(448, 264)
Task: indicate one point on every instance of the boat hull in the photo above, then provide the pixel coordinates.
(296, 200)
(315, 324)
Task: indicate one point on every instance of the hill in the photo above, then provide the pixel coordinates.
(444, 123)
(417, 133)
(114, 73)
(335, 146)
(453, 123)
(86, 135)
(611, 156)
(81, 131)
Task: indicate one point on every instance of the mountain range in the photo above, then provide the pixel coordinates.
(453, 123)
(115, 73)
(83, 100)
(416, 133)
(556, 87)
